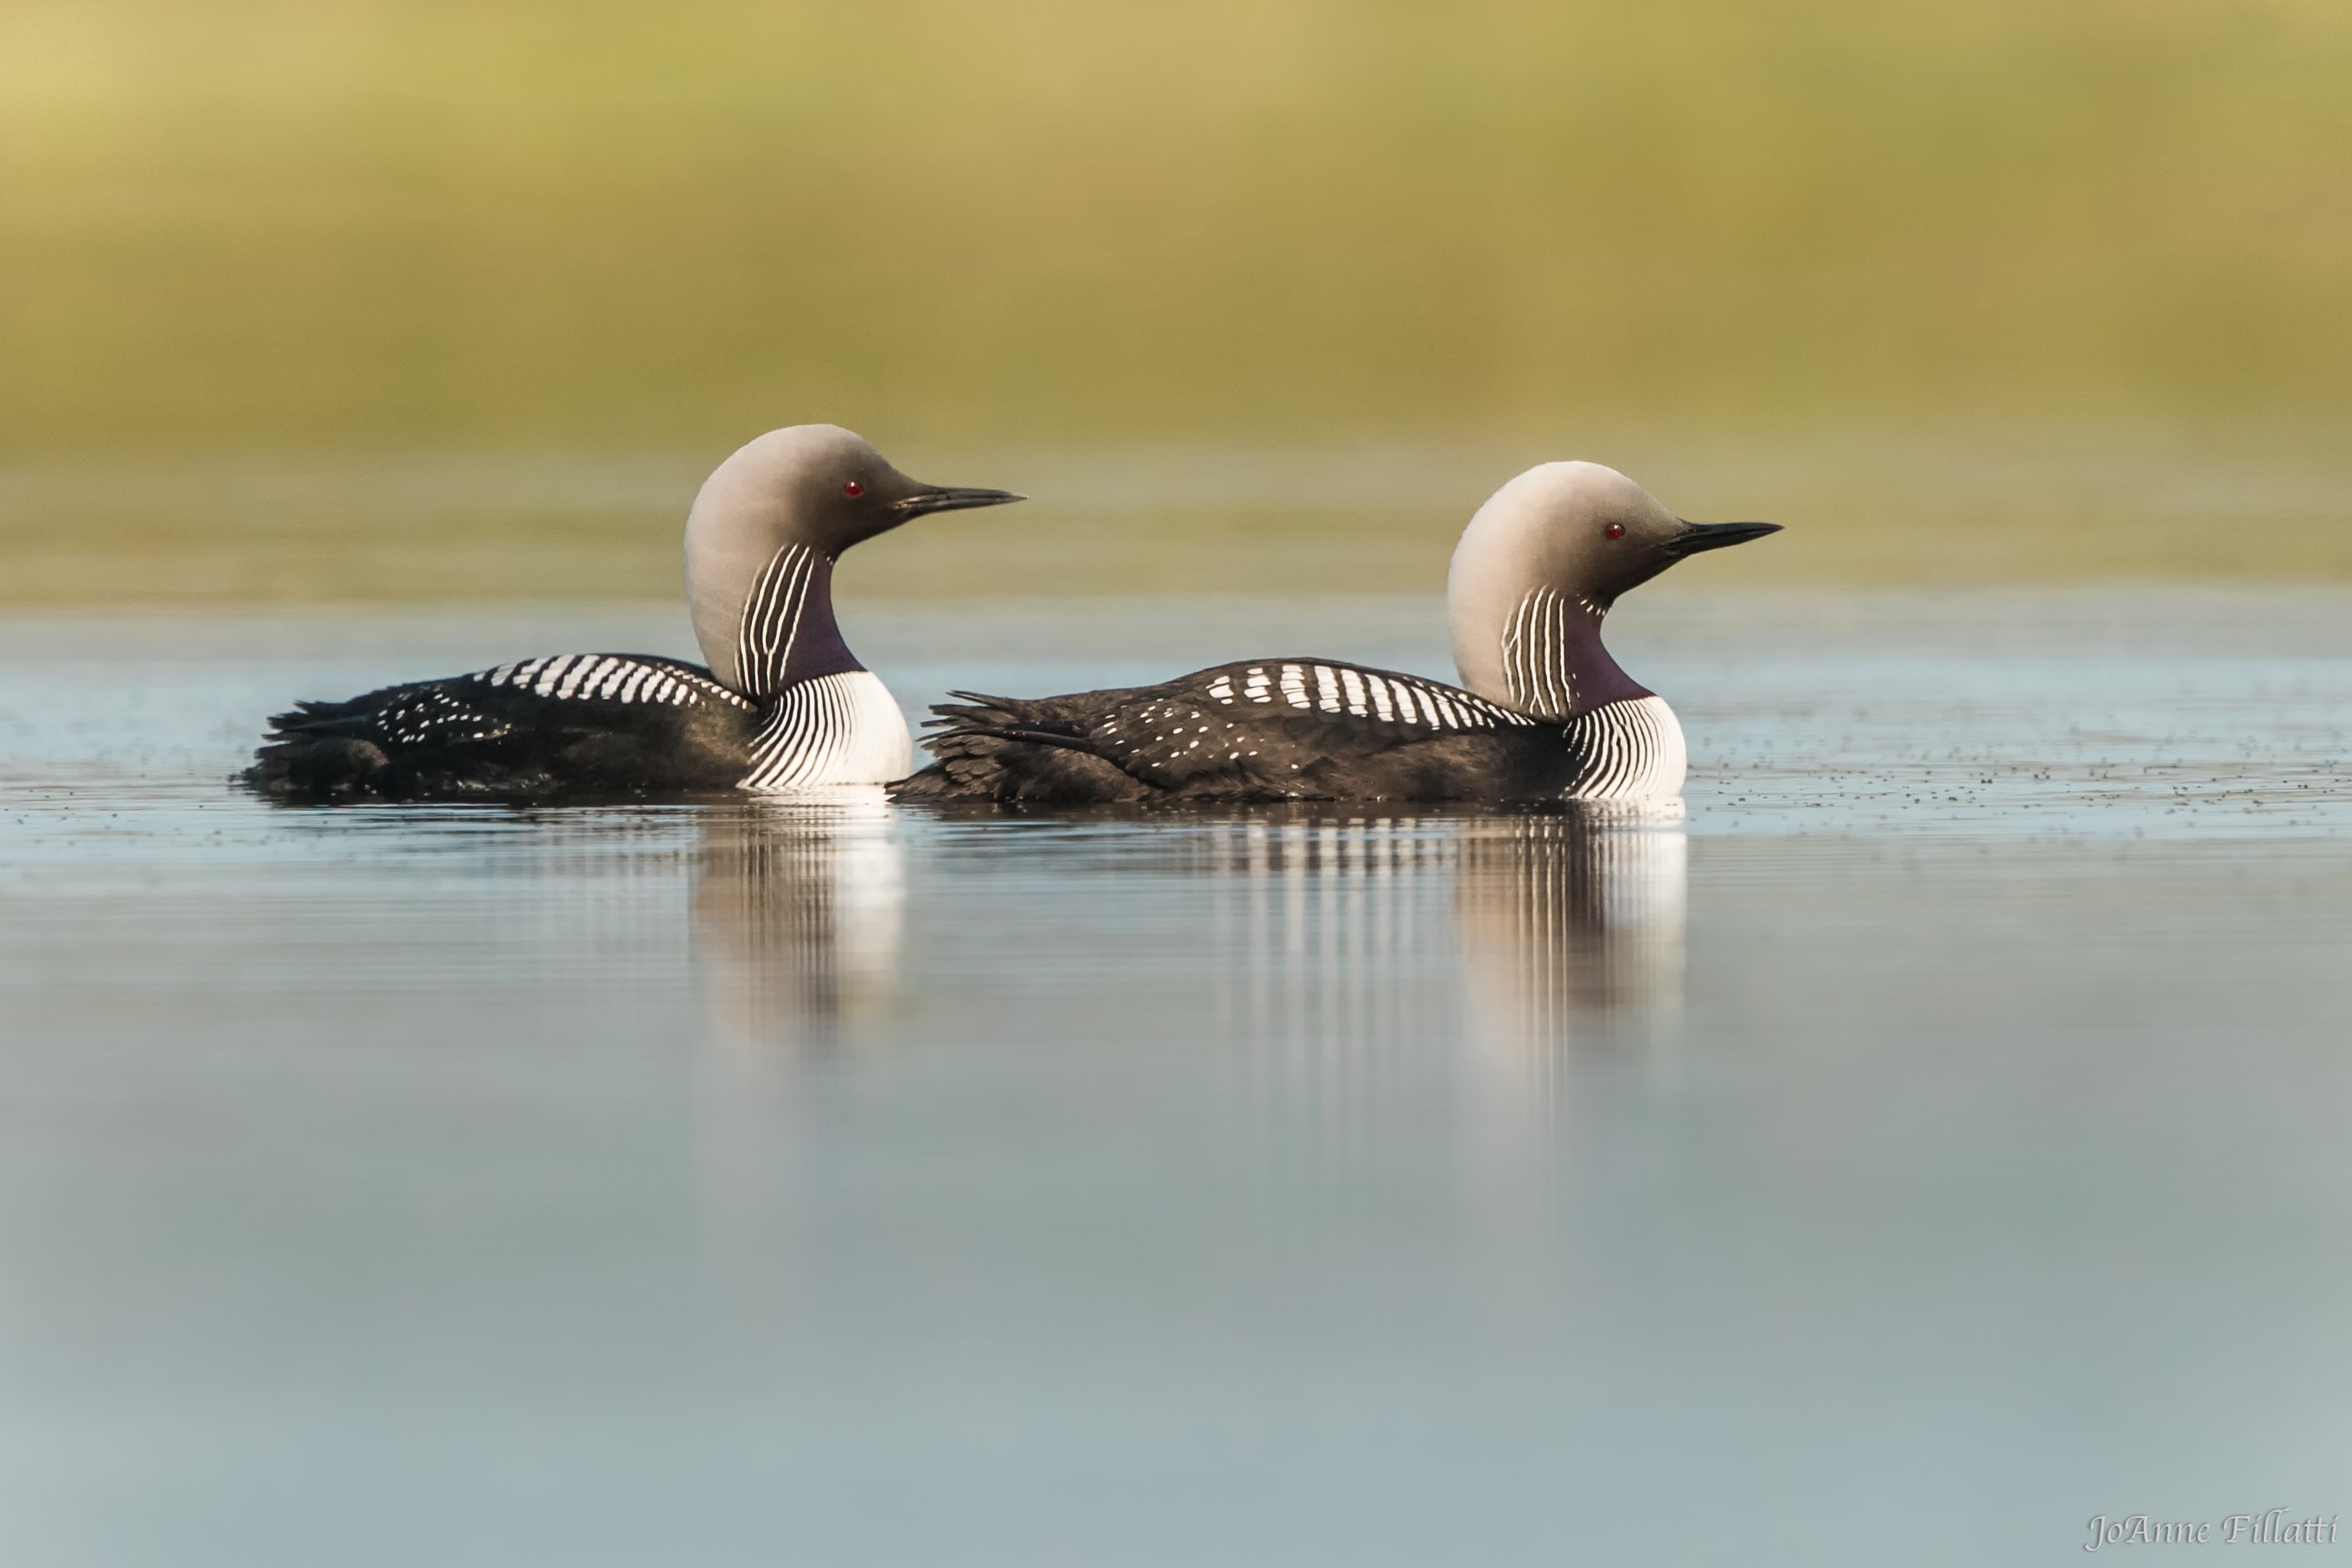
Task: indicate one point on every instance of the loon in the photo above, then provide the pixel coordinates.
(1543, 713)
(782, 705)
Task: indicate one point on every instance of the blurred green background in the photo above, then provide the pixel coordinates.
(351, 299)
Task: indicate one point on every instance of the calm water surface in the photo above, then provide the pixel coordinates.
(1935, 1139)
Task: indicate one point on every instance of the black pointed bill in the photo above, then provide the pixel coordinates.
(1698, 536)
(951, 498)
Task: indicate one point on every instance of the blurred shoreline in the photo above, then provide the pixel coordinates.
(425, 304)
(1963, 506)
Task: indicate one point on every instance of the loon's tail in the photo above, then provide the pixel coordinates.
(1010, 750)
(302, 757)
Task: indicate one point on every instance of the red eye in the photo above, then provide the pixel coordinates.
(853, 490)
(1615, 531)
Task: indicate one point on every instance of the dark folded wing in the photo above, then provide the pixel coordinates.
(1267, 729)
(568, 721)
(1299, 726)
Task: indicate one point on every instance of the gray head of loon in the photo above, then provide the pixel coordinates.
(1540, 564)
(817, 487)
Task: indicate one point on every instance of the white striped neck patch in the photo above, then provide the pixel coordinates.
(1553, 663)
(1629, 751)
(787, 633)
(839, 729)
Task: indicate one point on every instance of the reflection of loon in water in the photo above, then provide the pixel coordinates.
(1563, 916)
(1555, 918)
(798, 907)
(1352, 947)
(797, 912)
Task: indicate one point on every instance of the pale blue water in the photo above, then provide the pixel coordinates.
(1939, 1138)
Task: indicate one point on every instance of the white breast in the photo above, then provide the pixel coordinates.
(834, 729)
(1634, 750)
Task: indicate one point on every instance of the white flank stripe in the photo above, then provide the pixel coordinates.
(584, 666)
(604, 677)
(552, 673)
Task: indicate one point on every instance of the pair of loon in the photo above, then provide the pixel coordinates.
(1543, 713)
